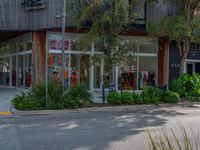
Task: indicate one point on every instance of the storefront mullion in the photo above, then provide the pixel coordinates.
(102, 73)
(10, 74)
(138, 65)
(24, 71)
(91, 76)
(14, 69)
(69, 66)
(17, 71)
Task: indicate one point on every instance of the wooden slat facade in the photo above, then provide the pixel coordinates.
(13, 16)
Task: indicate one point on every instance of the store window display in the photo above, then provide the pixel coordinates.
(128, 74)
(79, 66)
(4, 71)
(139, 68)
(54, 65)
(57, 45)
(28, 70)
(74, 77)
(147, 73)
(97, 73)
(80, 70)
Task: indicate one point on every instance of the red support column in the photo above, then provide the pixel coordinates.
(163, 61)
(38, 56)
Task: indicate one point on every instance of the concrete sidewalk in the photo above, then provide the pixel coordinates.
(6, 95)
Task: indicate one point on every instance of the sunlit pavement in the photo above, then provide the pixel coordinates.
(119, 128)
(6, 95)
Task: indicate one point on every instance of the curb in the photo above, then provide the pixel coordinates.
(5, 113)
(104, 109)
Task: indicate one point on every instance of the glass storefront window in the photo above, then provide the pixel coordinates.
(54, 66)
(72, 42)
(57, 44)
(138, 13)
(4, 71)
(97, 71)
(28, 70)
(75, 45)
(108, 74)
(20, 71)
(150, 46)
(14, 71)
(139, 68)
(127, 76)
(147, 71)
(80, 70)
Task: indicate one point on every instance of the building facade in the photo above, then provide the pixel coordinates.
(33, 34)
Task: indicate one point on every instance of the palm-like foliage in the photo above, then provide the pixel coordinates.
(173, 142)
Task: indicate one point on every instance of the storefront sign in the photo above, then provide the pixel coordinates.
(33, 4)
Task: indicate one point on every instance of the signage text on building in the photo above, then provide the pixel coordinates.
(33, 4)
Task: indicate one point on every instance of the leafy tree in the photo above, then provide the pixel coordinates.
(183, 26)
(104, 20)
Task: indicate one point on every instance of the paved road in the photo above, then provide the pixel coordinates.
(6, 95)
(120, 128)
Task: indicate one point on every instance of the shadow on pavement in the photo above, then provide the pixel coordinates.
(96, 130)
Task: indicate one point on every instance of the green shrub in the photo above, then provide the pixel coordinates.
(78, 97)
(26, 102)
(181, 84)
(71, 103)
(114, 98)
(127, 98)
(187, 86)
(137, 99)
(170, 97)
(151, 95)
(54, 94)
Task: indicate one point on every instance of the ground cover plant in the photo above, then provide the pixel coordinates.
(26, 102)
(114, 98)
(170, 97)
(151, 95)
(173, 141)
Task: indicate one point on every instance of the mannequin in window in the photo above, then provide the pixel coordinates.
(74, 76)
(55, 76)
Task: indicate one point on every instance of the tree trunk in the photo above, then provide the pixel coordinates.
(182, 65)
(184, 51)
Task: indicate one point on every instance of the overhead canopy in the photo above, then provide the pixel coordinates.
(6, 35)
